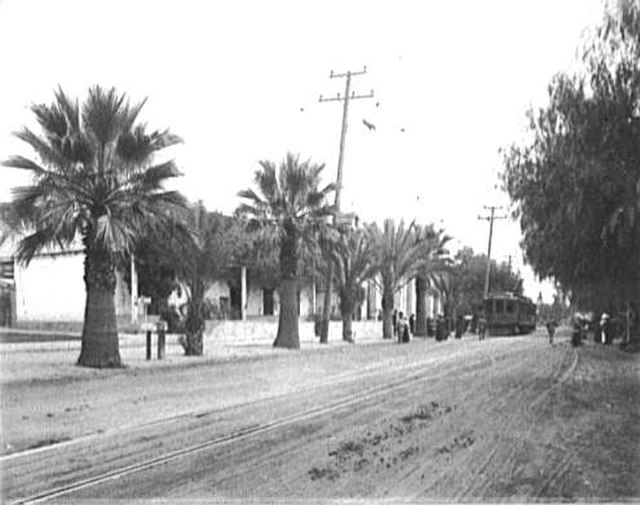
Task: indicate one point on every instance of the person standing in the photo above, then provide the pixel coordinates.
(551, 328)
(459, 327)
(607, 329)
(482, 328)
(394, 322)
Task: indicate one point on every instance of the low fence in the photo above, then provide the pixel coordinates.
(225, 333)
(257, 332)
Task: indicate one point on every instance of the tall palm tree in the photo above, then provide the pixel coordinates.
(94, 179)
(433, 263)
(396, 260)
(352, 258)
(289, 206)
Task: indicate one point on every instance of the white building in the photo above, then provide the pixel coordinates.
(49, 290)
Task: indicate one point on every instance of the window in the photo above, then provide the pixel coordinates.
(499, 306)
(488, 307)
(511, 307)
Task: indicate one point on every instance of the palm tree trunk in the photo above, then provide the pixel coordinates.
(196, 320)
(288, 335)
(421, 306)
(347, 306)
(100, 347)
(387, 314)
(347, 333)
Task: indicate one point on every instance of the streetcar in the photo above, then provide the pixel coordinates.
(509, 314)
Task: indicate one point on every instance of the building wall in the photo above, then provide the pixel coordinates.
(51, 288)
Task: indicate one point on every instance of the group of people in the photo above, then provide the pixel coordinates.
(604, 330)
(404, 328)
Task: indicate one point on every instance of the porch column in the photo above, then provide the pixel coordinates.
(243, 293)
(134, 291)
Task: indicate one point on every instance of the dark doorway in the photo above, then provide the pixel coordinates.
(235, 301)
(267, 301)
(6, 306)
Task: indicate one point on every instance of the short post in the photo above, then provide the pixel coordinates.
(148, 345)
(161, 328)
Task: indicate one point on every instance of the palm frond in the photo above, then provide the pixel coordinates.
(46, 152)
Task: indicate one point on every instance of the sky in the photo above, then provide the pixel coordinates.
(240, 82)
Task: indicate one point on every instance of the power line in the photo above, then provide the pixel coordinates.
(348, 96)
(490, 218)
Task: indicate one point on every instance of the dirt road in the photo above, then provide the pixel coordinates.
(510, 418)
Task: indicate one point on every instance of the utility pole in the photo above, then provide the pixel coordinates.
(348, 96)
(489, 218)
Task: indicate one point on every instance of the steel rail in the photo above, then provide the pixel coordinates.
(353, 399)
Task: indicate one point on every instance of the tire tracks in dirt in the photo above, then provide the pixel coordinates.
(514, 430)
(402, 382)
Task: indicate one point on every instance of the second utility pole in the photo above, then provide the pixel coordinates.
(348, 95)
(490, 218)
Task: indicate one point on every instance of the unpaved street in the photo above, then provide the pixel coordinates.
(509, 418)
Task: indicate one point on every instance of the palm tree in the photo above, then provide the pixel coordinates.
(288, 207)
(396, 260)
(95, 179)
(433, 262)
(352, 259)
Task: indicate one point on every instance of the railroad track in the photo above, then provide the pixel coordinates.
(407, 380)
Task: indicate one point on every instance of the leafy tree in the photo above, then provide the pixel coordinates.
(462, 283)
(95, 178)
(287, 208)
(396, 259)
(433, 263)
(576, 183)
(352, 256)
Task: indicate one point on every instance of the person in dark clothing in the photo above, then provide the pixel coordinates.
(459, 327)
(551, 329)
(406, 335)
(576, 333)
(607, 329)
(482, 328)
(412, 323)
(441, 329)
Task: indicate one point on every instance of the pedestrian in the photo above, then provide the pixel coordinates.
(441, 328)
(576, 333)
(394, 322)
(482, 328)
(606, 328)
(406, 332)
(399, 326)
(459, 327)
(412, 324)
(551, 328)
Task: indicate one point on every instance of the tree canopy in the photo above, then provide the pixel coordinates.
(287, 207)
(576, 182)
(94, 178)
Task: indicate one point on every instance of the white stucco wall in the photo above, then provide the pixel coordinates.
(51, 288)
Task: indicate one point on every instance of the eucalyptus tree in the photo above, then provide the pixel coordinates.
(288, 206)
(352, 257)
(396, 258)
(433, 263)
(94, 178)
(575, 182)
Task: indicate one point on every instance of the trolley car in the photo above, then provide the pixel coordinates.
(509, 314)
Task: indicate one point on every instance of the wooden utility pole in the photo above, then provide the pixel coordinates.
(348, 96)
(489, 218)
